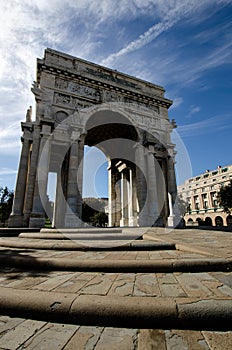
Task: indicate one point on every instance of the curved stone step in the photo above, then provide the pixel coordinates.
(116, 311)
(107, 265)
(78, 244)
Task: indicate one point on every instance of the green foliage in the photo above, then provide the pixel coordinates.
(6, 202)
(99, 219)
(224, 198)
(48, 223)
(94, 214)
(182, 205)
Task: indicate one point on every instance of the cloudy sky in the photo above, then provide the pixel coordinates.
(183, 45)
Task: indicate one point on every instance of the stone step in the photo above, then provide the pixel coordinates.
(116, 311)
(117, 265)
(86, 230)
(14, 232)
(80, 236)
(84, 244)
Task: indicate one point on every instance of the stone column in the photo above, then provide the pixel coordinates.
(130, 198)
(124, 200)
(152, 190)
(162, 185)
(71, 217)
(16, 218)
(81, 143)
(112, 195)
(32, 175)
(135, 200)
(117, 198)
(40, 199)
(173, 218)
(141, 177)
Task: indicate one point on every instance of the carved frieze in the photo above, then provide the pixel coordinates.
(147, 121)
(111, 77)
(141, 106)
(79, 89)
(65, 100)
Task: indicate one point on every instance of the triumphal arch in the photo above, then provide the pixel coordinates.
(79, 103)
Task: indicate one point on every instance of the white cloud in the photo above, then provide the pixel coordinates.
(7, 171)
(176, 102)
(205, 126)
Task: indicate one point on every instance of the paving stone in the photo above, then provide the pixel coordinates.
(123, 285)
(117, 339)
(166, 278)
(52, 336)
(8, 323)
(219, 340)
(225, 290)
(225, 278)
(18, 335)
(168, 254)
(27, 282)
(151, 339)
(192, 286)
(215, 288)
(172, 290)
(146, 285)
(155, 255)
(74, 284)
(185, 340)
(130, 255)
(143, 256)
(114, 256)
(99, 285)
(204, 276)
(85, 338)
(53, 282)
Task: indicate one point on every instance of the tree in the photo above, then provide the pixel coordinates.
(99, 219)
(182, 205)
(93, 212)
(6, 202)
(224, 198)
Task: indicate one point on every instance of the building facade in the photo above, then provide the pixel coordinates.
(200, 196)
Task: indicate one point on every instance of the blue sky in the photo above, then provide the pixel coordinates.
(183, 45)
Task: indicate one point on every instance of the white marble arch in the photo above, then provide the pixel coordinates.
(137, 143)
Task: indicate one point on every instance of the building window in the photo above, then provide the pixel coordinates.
(214, 172)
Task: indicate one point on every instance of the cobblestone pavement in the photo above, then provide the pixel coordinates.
(17, 333)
